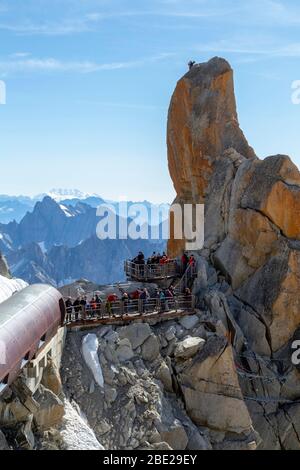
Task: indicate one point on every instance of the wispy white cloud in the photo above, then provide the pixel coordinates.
(141, 107)
(290, 50)
(260, 12)
(267, 12)
(55, 65)
(279, 12)
(78, 16)
(252, 47)
(269, 76)
(50, 29)
(91, 20)
(19, 55)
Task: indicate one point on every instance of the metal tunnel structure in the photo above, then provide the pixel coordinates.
(28, 321)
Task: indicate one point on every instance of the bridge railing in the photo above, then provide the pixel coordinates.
(131, 308)
(151, 271)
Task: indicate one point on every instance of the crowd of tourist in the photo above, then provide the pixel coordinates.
(155, 258)
(139, 301)
(158, 266)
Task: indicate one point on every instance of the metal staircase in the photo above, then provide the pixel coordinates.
(186, 280)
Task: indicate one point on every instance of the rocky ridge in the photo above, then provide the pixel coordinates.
(252, 239)
(4, 270)
(171, 385)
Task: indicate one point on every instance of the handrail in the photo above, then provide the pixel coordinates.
(129, 308)
(190, 273)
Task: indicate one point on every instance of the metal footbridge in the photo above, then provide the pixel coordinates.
(105, 313)
(33, 321)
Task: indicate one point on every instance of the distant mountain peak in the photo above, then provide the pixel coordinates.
(61, 194)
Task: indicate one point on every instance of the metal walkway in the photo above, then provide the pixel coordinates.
(128, 311)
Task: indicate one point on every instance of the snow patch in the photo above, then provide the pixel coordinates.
(60, 194)
(8, 287)
(76, 433)
(15, 267)
(90, 345)
(6, 210)
(67, 281)
(43, 247)
(6, 240)
(67, 211)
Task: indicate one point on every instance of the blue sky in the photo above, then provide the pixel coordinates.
(89, 84)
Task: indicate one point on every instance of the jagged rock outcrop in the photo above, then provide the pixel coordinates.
(51, 378)
(202, 127)
(3, 442)
(42, 419)
(4, 270)
(185, 395)
(210, 383)
(202, 124)
(258, 249)
(252, 239)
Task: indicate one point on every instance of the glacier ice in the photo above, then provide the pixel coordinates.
(90, 345)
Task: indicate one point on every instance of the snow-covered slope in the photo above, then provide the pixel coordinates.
(60, 194)
(9, 286)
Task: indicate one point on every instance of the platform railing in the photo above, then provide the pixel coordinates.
(151, 271)
(131, 308)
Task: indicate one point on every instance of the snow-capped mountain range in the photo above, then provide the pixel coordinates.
(55, 241)
(61, 194)
(15, 207)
